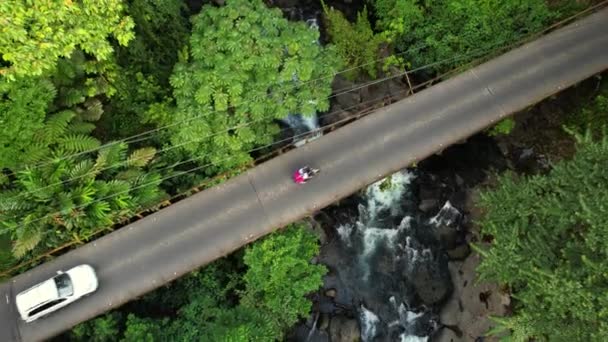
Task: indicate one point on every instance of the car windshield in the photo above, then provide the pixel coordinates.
(64, 285)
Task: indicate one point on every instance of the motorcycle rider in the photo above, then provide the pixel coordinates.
(303, 174)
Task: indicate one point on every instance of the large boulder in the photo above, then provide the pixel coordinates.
(432, 281)
(471, 303)
(445, 227)
(459, 252)
(344, 329)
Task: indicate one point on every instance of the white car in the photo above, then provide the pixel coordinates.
(57, 292)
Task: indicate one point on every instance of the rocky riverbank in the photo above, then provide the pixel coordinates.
(394, 252)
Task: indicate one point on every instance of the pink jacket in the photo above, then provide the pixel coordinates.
(298, 177)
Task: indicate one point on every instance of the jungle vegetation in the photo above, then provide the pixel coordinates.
(550, 242)
(103, 104)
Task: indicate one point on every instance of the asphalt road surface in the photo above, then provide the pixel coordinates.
(166, 245)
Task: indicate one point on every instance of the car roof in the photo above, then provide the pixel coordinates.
(37, 295)
(83, 278)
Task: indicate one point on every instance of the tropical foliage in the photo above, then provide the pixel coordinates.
(227, 300)
(550, 246)
(428, 32)
(35, 34)
(68, 193)
(23, 107)
(396, 17)
(76, 77)
(247, 66)
(145, 65)
(356, 43)
(54, 190)
(593, 114)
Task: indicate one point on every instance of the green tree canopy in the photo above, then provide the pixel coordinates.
(280, 275)
(69, 194)
(397, 17)
(444, 29)
(35, 34)
(356, 43)
(161, 31)
(73, 196)
(23, 108)
(550, 245)
(248, 65)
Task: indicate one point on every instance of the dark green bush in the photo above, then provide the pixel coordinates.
(356, 43)
(448, 29)
(550, 245)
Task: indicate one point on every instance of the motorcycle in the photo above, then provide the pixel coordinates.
(303, 174)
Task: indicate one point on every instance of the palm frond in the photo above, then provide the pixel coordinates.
(36, 152)
(111, 154)
(56, 125)
(129, 175)
(84, 169)
(84, 194)
(35, 184)
(28, 240)
(78, 142)
(141, 157)
(99, 210)
(66, 204)
(81, 127)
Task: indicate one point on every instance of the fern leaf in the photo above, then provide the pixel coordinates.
(12, 201)
(99, 210)
(35, 153)
(150, 179)
(56, 125)
(111, 154)
(94, 110)
(28, 240)
(72, 97)
(78, 143)
(35, 184)
(117, 187)
(81, 127)
(141, 157)
(84, 169)
(129, 175)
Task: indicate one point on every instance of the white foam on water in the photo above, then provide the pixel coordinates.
(381, 197)
(369, 324)
(407, 318)
(372, 237)
(413, 338)
(344, 231)
(302, 124)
